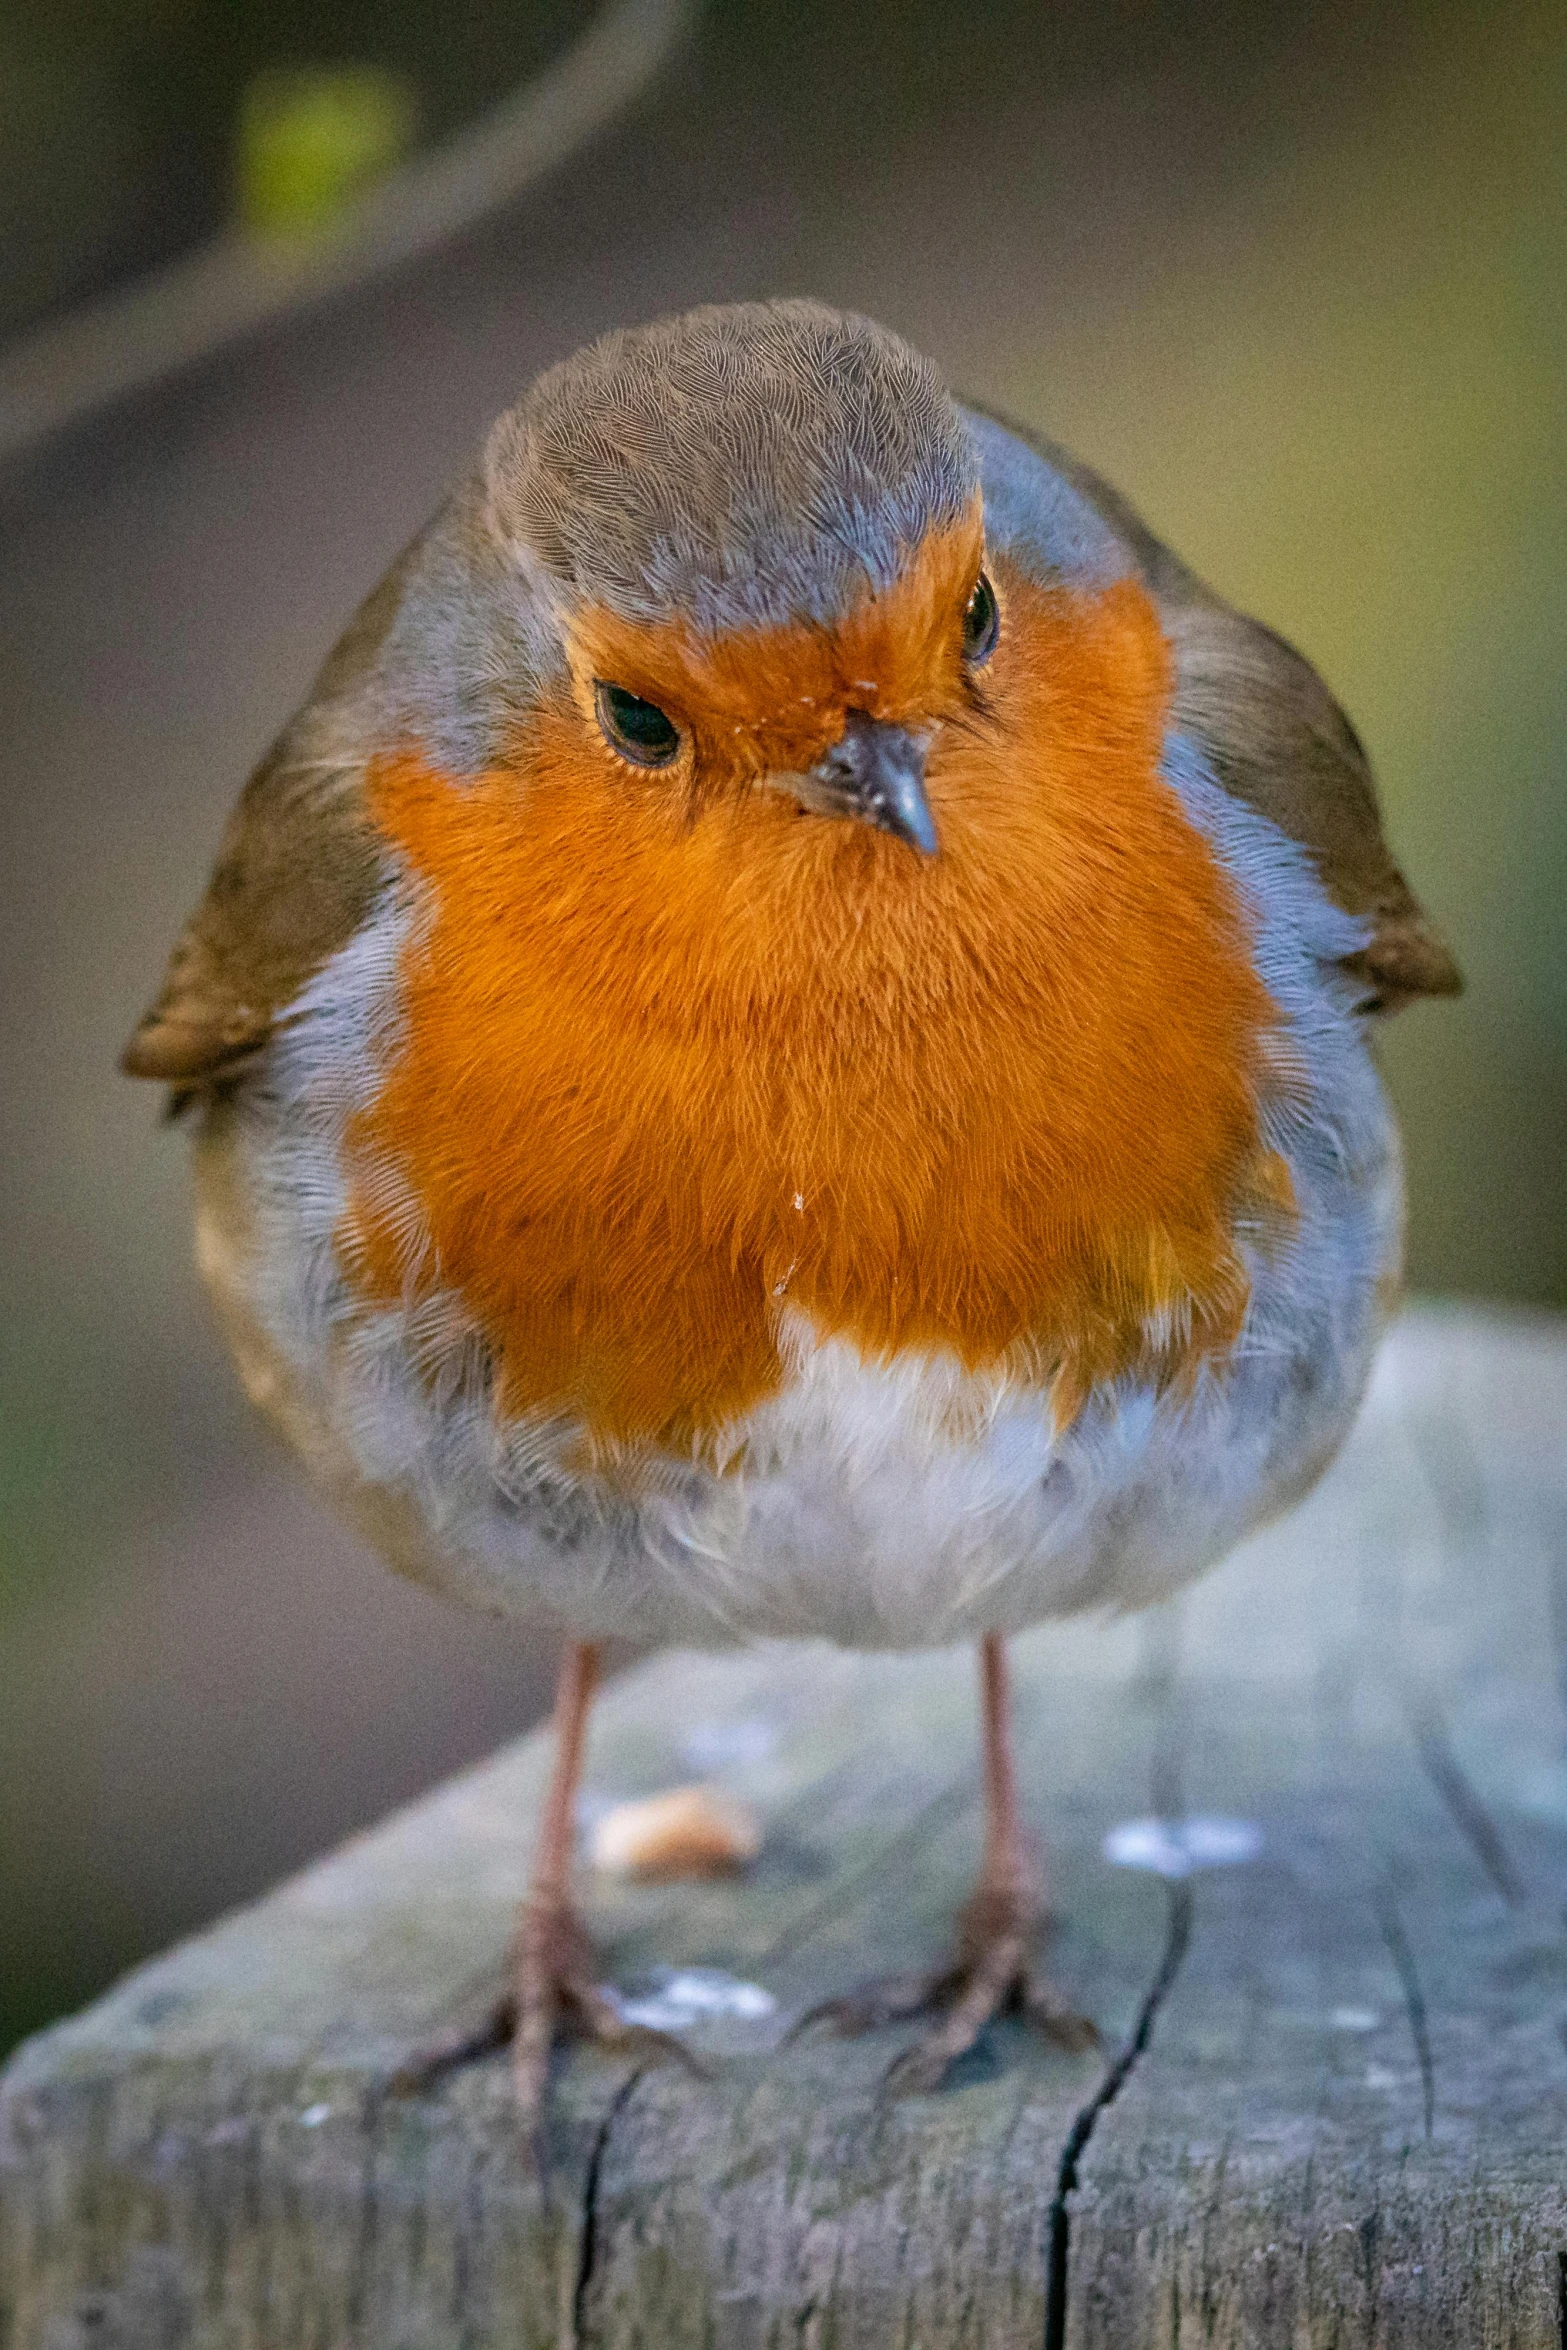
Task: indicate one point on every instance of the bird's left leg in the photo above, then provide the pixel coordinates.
(555, 1985)
(994, 1971)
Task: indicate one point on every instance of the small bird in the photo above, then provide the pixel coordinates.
(782, 1048)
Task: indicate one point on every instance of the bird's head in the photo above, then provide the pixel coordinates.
(760, 532)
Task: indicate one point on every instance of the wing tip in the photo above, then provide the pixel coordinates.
(1407, 959)
(170, 1051)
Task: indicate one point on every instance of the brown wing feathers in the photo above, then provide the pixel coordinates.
(297, 869)
(1279, 741)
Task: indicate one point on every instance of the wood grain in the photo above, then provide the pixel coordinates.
(1334, 2103)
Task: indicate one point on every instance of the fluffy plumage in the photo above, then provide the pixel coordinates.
(653, 1175)
(1015, 1096)
(656, 1201)
(608, 1110)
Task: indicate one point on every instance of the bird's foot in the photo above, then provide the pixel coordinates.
(555, 1992)
(993, 1974)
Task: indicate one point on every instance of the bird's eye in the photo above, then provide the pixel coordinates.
(638, 730)
(981, 623)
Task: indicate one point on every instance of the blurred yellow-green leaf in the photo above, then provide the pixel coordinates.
(311, 139)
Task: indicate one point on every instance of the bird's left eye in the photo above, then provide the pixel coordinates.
(981, 623)
(638, 730)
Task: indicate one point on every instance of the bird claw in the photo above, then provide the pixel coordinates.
(992, 1976)
(889, 2001)
(1056, 2019)
(448, 2051)
(554, 1994)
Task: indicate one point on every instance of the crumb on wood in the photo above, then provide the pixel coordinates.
(686, 1832)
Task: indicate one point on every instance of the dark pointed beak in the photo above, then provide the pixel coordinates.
(876, 774)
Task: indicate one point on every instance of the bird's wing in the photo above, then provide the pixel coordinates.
(1278, 740)
(297, 870)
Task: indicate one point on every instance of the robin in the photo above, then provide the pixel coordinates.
(783, 1047)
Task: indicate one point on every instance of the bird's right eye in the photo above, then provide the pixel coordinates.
(981, 623)
(638, 730)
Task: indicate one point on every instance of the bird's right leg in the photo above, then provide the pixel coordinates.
(993, 1971)
(554, 1976)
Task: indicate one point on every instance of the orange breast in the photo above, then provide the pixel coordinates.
(667, 1066)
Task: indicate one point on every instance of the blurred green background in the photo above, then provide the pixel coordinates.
(125, 120)
(1295, 279)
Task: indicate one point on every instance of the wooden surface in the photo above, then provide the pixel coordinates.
(1335, 2105)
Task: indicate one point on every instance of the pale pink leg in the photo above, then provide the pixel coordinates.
(992, 1972)
(554, 1974)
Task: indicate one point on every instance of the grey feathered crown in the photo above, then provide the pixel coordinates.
(738, 466)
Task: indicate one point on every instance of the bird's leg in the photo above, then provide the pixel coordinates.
(993, 1971)
(554, 1981)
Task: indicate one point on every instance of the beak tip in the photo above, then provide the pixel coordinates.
(877, 774)
(909, 818)
(901, 804)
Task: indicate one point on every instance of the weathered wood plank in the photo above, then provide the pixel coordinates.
(1347, 2125)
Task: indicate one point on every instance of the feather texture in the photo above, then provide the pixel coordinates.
(652, 1206)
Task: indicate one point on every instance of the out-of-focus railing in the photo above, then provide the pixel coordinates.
(240, 282)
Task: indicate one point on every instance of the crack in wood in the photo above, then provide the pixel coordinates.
(1177, 1937)
(361, 2281)
(588, 2242)
(1462, 1799)
(1556, 1599)
(1408, 1973)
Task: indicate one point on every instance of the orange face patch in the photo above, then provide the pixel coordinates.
(757, 701)
(676, 1056)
